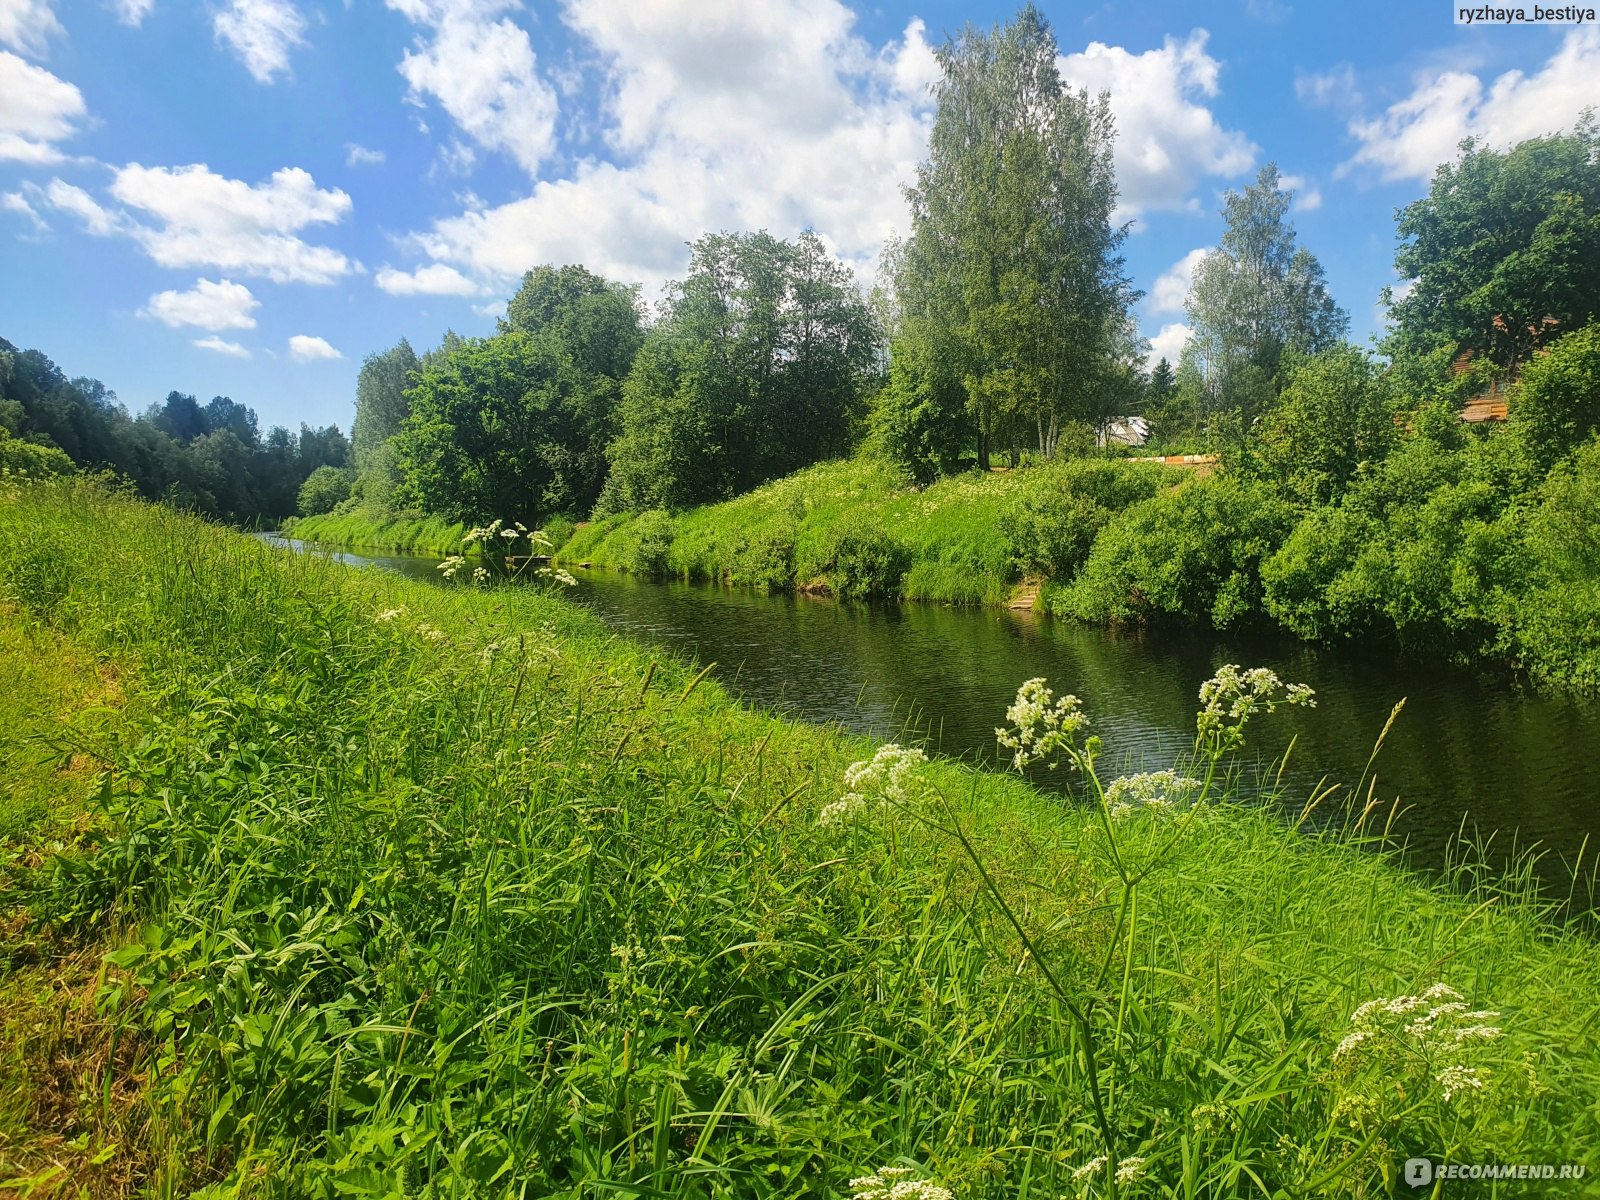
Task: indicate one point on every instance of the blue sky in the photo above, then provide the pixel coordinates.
(245, 197)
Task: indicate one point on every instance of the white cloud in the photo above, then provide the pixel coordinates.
(1414, 135)
(100, 222)
(435, 280)
(484, 73)
(303, 348)
(18, 203)
(1307, 196)
(359, 156)
(28, 26)
(717, 116)
(132, 12)
(1169, 343)
(202, 219)
(1334, 88)
(1167, 139)
(1172, 289)
(37, 110)
(209, 304)
(231, 349)
(261, 33)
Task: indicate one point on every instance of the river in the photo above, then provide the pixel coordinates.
(1463, 754)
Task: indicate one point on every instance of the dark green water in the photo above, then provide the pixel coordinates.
(1516, 765)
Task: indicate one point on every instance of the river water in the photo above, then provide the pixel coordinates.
(1463, 753)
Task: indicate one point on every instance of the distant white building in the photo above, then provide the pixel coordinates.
(1125, 431)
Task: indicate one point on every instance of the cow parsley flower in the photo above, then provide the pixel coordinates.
(1156, 791)
(886, 778)
(1231, 696)
(1042, 726)
(896, 1183)
(1434, 1027)
(388, 615)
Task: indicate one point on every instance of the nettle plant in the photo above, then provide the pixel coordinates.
(507, 550)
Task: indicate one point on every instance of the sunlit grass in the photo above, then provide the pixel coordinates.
(444, 891)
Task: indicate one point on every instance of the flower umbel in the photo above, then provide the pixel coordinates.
(1434, 1027)
(885, 778)
(1156, 791)
(1231, 696)
(1042, 726)
(896, 1183)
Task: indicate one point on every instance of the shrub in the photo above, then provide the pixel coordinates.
(325, 489)
(1557, 405)
(1193, 553)
(651, 548)
(1052, 525)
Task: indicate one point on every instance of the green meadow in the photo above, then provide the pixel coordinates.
(321, 883)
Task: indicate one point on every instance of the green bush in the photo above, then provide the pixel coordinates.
(1193, 553)
(651, 550)
(325, 489)
(1557, 405)
(1052, 524)
(32, 460)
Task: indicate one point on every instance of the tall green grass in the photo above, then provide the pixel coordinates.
(855, 528)
(443, 892)
(366, 529)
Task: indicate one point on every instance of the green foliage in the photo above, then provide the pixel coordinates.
(920, 416)
(505, 425)
(758, 366)
(1052, 526)
(1012, 261)
(860, 560)
(211, 457)
(1193, 553)
(1331, 423)
(324, 489)
(18, 457)
(1253, 299)
(1503, 245)
(1557, 405)
(359, 528)
(441, 892)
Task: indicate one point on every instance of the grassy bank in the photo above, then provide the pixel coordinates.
(854, 528)
(402, 533)
(414, 891)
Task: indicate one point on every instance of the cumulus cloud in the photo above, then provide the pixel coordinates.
(1417, 133)
(1307, 196)
(716, 116)
(261, 33)
(1167, 139)
(231, 349)
(481, 68)
(1169, 343)
(435, 280)
(28, 26)
(192, 217)
(1172, 288)
(359, 156)
(132, 12)
(210, 304)
(304, 348)
(37, 110)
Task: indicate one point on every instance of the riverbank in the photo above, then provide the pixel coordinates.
(382, 531)
(407, 886)
(854, 529)
(1441, 574)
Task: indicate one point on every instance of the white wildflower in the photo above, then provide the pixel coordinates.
(1041, 725)
(1350, 1042)
(1231, 696)
(510, 535)
(388, 615)
(1155, 790)
(886, 777)
(1093, 1166)
(895, 1183)
(451, 565)
(1457, 1080)
(480, 575)
(1130, 1170)
(432, 634)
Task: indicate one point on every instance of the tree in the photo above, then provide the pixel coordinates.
(1332, 421)
(323, 489)
(381, 409)
(507, 426)
(1254, 298)
(920, 416)
(1012, 254)
(1556, 407)
(758, 366)
(1504, 250)
(596, 320)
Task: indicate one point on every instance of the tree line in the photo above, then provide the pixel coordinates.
(211, 458)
